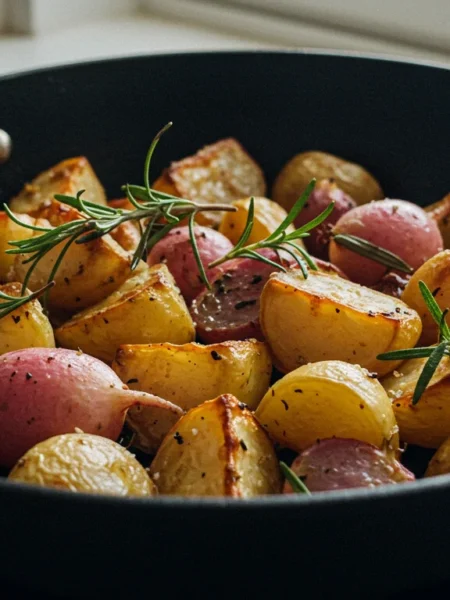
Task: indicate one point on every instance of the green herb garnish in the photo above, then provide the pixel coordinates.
(433, 353)
(296, 483)
(9, 304)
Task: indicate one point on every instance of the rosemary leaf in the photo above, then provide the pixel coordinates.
(428, 371)
(248, 226)
(406, 354)
(369, 250)
(197, 257)
(294, 212)
(296, 483)
(12, 303)
(434, 310)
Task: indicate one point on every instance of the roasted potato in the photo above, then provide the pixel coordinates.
(440, 212)
(436, 274)
(440, 463)
(67, 177)
(267, 216)
(26, 327)
(147, 308)
(88, 272)
(192, 373)
(325, 317)
(10, 231)
(217, 449)
(350, 177)
(218, 173)
(328, 399)
(81, 462)
(427, 423)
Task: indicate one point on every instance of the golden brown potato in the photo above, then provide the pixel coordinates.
(26, 327)
(147, 308)
(88, 272)
(298, 172)
(436, 274)
(217, 449)
(328, 399)
(67, 177)
(82, 462)
(440, 212)
(192, 373)
(325, 317)
(218, 173)
(427, 423)
(440, 463)
(267, 216)
(10, 231)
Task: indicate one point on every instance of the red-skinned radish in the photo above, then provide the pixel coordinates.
(46, 392)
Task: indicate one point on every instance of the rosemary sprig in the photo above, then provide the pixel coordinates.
(9, 304)
(296, 483)
(280, 239)
(159, 212)
(369, 250)
(434, 353)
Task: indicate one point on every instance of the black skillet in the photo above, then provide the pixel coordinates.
(393, 118)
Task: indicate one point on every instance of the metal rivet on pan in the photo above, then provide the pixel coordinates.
(5, 146)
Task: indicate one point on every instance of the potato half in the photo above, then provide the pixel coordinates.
(88, 272)
(26, 327)
(148, 307)
(436, 274)
(189, 374)
(328, 399)
(217, 449)
(218, 173)
(325, 317)
(427, 423)
(350, 177)
(440, 463)
(10, 231)
(67, 177)
(267, 217)
(440, 212)
(81, 462)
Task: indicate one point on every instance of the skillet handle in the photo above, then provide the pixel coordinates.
(5, 146)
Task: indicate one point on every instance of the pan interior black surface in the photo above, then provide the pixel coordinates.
(390, 117)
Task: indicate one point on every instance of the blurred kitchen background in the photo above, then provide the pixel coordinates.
(36, 33)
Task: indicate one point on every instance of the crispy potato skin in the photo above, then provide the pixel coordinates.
(88, 272)
(67, 177)
(267, 216)
(146, 308)
(10, 231)
(440, 463)
(218, 173)
(192, 373)
(440, 212)
(298, 172)
(436, 274)
(82, 462)
(328, 399)
(426, 424)
(26, 327)
(217, 449)
(325, 317)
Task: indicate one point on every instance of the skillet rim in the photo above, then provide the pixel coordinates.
(321, 500)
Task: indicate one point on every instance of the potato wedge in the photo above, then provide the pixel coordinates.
(325, 317)
(427, 423)
(26, 327)
(217, 449)
(436, 274)
(150, 425)
(10, 231)
(88, 272)
(440, 212)
(67, 177)
(328, 399)
(440, 463)
(192, 373)
(267, 216)
(350, 177)
(218, 173)
(147, 308)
